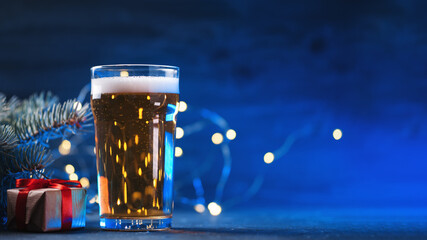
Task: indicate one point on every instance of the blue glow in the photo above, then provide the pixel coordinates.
(168, 184)
(171, 112)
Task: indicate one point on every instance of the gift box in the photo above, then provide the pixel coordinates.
(46, 205)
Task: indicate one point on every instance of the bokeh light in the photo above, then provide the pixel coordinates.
(179, 133)
(65, 147)
(230, 134)
(178, 152)
(69, 169)
(73, 176)
(93, 200)
(217, 138)
(182, 106)
(337, 134)
(269, 157)
(84, 182)
(214, 209)
(77, 106)
(200, 208)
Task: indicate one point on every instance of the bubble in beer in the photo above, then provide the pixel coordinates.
(136, 196)
(140, 113)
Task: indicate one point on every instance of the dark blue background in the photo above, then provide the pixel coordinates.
(271, 68)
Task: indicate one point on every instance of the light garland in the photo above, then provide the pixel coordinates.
(220, 140)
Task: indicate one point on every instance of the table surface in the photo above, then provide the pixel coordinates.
(270, 223)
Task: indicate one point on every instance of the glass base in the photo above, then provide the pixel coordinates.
(135, 224)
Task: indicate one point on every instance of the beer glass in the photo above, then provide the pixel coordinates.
(135, 108)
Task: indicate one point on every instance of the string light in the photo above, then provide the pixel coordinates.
(178, 152)
(230, 134)
(69, 169)
(65, 147)
(268, 157)
(337, 134)
(214, 209)
(73, 176)
(84, 182)
(217, 138)
(182, 106)
(200, 208)
(179, 133)
(93, 200)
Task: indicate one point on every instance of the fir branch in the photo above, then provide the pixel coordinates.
(17, 108)
(32, 157)
(52, 122)
(38, 101)
(7, 107)
(24, 158)
(8, 139)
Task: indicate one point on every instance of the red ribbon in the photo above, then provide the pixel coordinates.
(31, 184)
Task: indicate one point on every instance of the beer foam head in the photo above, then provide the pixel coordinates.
(134, 84)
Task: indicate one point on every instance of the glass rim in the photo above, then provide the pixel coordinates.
(134, 66)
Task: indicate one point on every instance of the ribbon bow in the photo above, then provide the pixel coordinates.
(30, 184)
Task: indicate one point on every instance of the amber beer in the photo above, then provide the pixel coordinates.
(135, 119)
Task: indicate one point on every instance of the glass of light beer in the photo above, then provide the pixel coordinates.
(135, 108)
